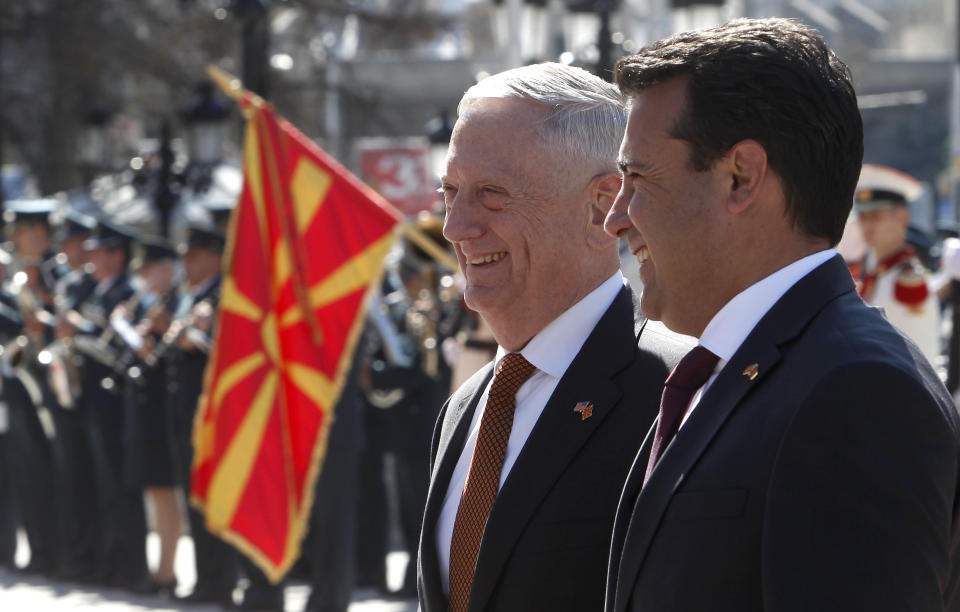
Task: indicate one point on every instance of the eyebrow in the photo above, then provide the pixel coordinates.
(625, 163)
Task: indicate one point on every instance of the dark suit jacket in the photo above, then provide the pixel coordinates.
(827, 482)
(545, 540)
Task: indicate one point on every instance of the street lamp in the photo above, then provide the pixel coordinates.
(204, 116)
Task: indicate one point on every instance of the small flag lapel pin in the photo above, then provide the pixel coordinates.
(585, 409)
(751, 371)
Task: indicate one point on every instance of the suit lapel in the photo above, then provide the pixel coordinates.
(762, 349)
(556, 439)
(454, 426)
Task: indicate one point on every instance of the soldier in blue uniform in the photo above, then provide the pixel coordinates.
(121, 556)
(30, 444)
(73, 456)
(148, 463)
(409, 381)
(185, 345)
(8, 521)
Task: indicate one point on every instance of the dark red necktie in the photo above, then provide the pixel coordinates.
(483, 479)
(691, 373)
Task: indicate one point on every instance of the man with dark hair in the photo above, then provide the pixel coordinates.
(806, 456)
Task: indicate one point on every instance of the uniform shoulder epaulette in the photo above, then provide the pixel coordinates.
(911, 287)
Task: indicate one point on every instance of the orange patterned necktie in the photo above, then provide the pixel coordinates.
(483, 479)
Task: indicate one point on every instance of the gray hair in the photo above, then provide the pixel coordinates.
(588, 115)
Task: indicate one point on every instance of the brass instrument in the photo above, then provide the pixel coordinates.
(63, 371)
(19, 356)
(184, 327)
(64, 357)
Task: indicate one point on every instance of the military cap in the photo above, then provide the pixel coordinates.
(884, 187)
(154, 248)
(27, 211)
(75, 224)
(203, 238)
(109, 235)
(221, 210)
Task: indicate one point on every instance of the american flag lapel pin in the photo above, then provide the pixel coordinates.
(585, 409)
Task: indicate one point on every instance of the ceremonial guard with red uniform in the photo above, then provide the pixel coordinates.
(892, 275)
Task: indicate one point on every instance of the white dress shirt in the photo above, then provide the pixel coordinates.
(551, 351)
(727, 330)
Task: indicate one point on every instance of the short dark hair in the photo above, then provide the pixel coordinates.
(774, 81)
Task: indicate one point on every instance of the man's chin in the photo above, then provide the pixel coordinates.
(483, 299)
(649, 306)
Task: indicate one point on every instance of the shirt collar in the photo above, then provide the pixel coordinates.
(552, 350)
(104, 285)
(727, 330)
(203, 285)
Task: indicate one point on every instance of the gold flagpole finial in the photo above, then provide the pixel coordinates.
(231, 85)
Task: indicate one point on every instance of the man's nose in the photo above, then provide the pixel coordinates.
(618, 222)
(463, 220)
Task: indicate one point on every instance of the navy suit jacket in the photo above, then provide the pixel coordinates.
(546, 540)
(827, 481)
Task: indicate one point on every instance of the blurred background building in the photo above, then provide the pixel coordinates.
(103, 87)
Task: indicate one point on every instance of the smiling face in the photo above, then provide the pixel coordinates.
(670, 215)
(517, 215)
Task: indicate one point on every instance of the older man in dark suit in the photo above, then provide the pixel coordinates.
(529, 455)
(806, 456)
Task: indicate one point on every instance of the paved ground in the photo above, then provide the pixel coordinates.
(22, 593)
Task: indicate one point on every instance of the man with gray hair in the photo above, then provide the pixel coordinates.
(529, 455)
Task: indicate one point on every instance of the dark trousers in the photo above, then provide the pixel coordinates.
(332, 539)
(413, 480)
(122, 550)
(216, 561)
(372, 519)
(76, 483)
(8, 524)
(29, 460)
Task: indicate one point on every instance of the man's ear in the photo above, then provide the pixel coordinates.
(603, 191)
(747, 164)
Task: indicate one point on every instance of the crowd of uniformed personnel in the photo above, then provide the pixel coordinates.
(104, 342)
(105, 336)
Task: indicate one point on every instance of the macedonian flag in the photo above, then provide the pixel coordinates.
(306, 241)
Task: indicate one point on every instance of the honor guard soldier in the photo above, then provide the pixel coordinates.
(32, 436)
(121, 560)
(74, 457)
(8, 519)
(408, 382)
(148, 464)
(892, 276)
(186, 344)
(76, 283)
(190, 338)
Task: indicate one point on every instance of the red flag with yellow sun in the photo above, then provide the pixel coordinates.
(306, 241)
